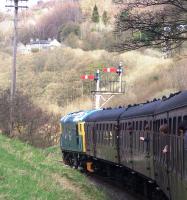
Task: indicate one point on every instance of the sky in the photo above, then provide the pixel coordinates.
(4, 2)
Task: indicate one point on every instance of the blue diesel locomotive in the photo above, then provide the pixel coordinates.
(144, 145)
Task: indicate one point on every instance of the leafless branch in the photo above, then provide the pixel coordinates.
(157, 23)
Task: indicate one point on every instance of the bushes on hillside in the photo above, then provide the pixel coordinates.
(66, 30)
(31, 123)
(49, 25)
(95, 15)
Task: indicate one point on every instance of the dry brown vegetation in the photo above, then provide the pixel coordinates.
(52, 78)
(52, 81)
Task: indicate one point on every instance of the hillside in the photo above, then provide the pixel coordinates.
(52, 78)
(29, 173)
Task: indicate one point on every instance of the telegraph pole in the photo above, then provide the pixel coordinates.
(14, 4)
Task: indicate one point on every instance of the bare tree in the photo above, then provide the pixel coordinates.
(31, 123)
(50, 24)
(157, 23)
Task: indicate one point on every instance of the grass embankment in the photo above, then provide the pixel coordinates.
(30, 173)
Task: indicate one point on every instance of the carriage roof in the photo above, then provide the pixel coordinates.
(174, 101)
(76, 116)
(105, 115)
(141, 110)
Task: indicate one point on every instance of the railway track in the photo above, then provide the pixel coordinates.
(114, 189)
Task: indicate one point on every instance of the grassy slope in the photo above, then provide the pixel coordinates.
(29, 173)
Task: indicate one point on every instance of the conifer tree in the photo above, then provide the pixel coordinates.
(105, 18)
(95, 15)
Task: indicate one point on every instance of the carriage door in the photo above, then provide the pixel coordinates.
(162, 146)
(90, 140)
(130, 135)
(148, 143)
(185, 153)
(94, 138)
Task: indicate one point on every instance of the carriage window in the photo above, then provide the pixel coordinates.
(111, 137)
(165, 121)
(121, 126)
(136, 125)
(106, 136)
(98, 135)
(185, 118)
(140, 125)
(170, 125)
(133, 125)
(154, 126)
(145, 124)
(126, 126)
(161, 121)
(77, 134)
(179, 122)
(174, 125)
(101, 137)
(129, 126)
(151, 124)
(157, 125)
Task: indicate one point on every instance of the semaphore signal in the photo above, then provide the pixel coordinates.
(86, 77)
(110, 69)
(106, 89)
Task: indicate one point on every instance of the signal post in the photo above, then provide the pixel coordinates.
(105, 90)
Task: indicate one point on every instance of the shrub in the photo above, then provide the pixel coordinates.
(66, 30)
(29, 120)
(105, 18)
(35, 50)
(95, 15)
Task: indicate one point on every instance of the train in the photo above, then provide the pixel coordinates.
(142, 145)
